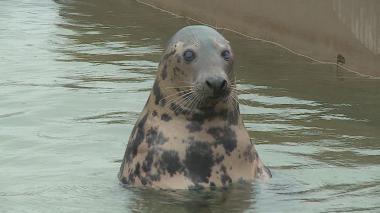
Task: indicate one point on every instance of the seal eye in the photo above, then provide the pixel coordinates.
(189, 55)
(226, 54)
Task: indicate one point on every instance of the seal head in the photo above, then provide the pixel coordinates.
(201, 59)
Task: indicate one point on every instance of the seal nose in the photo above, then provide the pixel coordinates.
(217, 84)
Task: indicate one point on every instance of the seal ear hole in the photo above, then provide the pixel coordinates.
(226, 54)
(208, 84)
(189, 55)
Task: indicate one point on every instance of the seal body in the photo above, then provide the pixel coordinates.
(190, 133)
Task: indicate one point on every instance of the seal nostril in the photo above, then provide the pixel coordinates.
(208, 84)
(223, 85)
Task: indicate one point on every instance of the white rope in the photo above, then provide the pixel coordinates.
(259, 39)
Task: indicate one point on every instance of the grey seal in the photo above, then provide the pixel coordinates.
(190, 133)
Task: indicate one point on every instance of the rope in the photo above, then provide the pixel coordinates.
(260, 39)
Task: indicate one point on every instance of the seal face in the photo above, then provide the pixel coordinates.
(190, 133)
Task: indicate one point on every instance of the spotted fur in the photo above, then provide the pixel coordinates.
(187, 141)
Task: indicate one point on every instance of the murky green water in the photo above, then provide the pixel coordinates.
(74, 76)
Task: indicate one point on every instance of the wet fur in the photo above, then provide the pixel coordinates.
(195, 145)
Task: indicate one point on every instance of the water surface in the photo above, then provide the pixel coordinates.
(75, 75)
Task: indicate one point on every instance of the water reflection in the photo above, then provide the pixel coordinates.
(236, 199)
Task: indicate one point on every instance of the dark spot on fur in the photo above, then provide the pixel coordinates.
(137, 137)
(166, 117)
(144, 180)
(155, 177)
(133, 174)
(194, 126)
(137, 169)
(164, 72)
(147, 168)
(233, 116)
(147, 164)
(176, 71)
(141, 124)
(131, 178)
(199, 161)
(249, 154)
(219, 158)
(155, 137)
(223, 169)
(154, 113)
(224, 136)
(151, 136)
(157, 92)
(178, 109)
(208, 113)
(170, 162)
(224, 177)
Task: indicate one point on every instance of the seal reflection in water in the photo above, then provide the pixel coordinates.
(190, 133)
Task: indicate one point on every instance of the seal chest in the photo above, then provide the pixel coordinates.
(190, 133)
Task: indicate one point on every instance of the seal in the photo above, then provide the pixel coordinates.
(190, 133)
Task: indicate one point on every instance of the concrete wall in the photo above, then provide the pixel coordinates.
(320, 29)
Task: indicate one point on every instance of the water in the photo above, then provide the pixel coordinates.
(75, 75)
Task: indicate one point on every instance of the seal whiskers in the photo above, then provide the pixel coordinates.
(179, 97)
